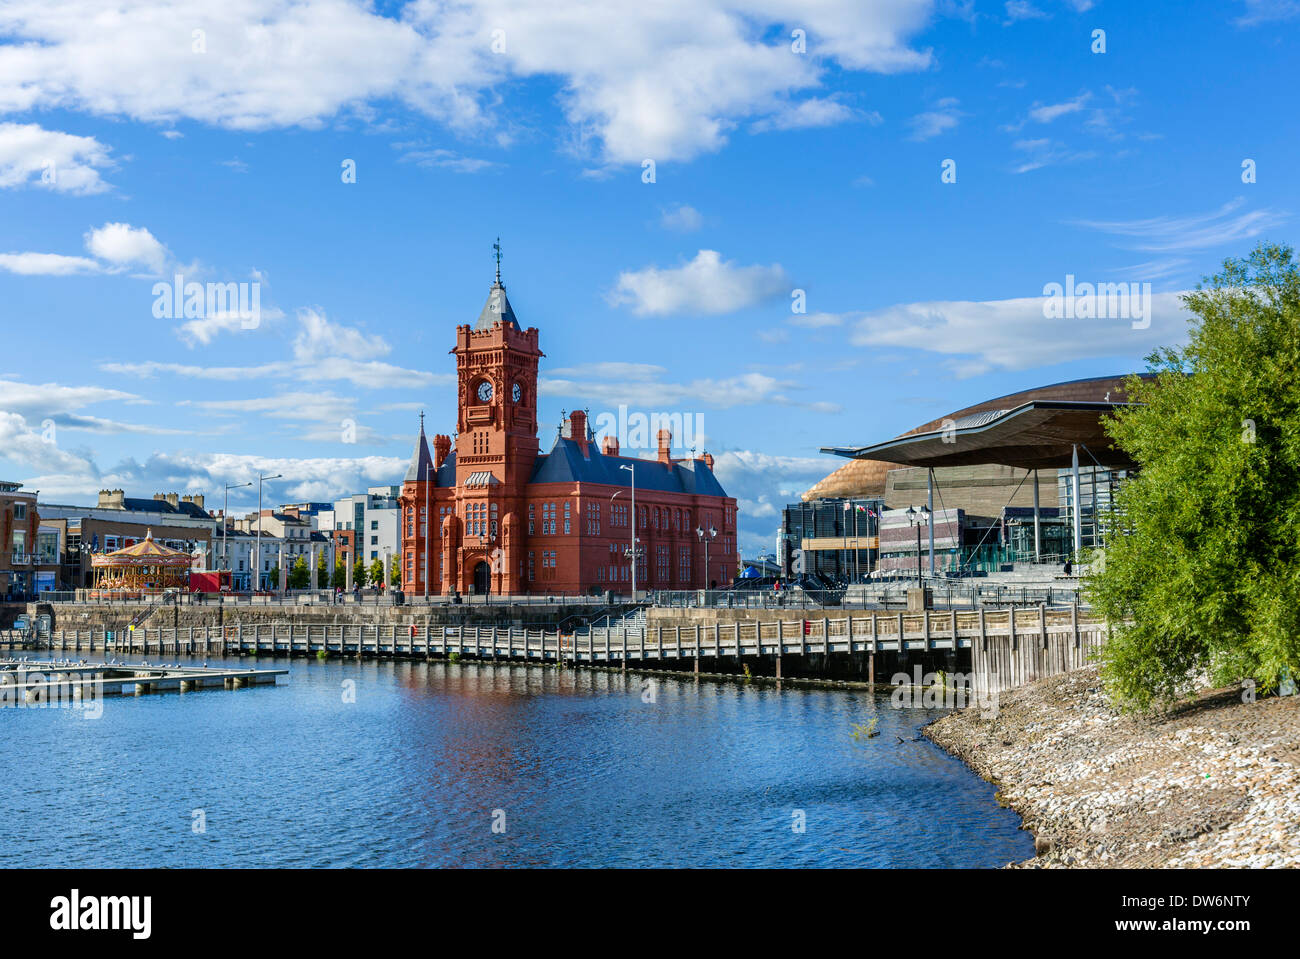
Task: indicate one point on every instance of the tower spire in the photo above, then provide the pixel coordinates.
(496, 247)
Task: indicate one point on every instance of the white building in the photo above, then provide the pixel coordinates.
(374, 516)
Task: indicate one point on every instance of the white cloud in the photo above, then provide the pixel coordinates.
(1228, 224)
(945, 116)
(202, 330)
(318, 338)
(33, 156)
(707, 284)
(611, 384)
(447, 159)
(63, 406)
(123, 246)
(1023, 10)
(1268, 11)
(1043, 152)
(1013, 334)
(810, 113)
(762, 485)
(151, 369)
(322, 351)
(1046, 113)
(667, 80)
(46, 264)
(115, 246)
(682, 218)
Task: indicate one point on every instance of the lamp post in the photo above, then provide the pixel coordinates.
(632, 551)
(258, 567)
(225, 520)
(428, 526)
(918, 518)
(704, 537)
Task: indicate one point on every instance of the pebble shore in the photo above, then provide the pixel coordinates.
(1215, 782)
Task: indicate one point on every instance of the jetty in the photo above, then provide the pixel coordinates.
(64, 681)
(1004, 648)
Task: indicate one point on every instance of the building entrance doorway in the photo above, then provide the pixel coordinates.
(482, 579)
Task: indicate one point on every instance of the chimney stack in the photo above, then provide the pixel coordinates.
(708, 461)
(609, 445)
(578, 430)
(441, 447)
(173, 500)
(665, 444)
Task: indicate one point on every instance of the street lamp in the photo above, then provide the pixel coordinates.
(711, 533)
(633, 551)
(258, 567)
(225, 520)
(918, 518)
(428, 526)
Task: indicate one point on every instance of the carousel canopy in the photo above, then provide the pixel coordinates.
(144, 554)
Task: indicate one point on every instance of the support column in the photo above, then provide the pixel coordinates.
(929, 502)
(1038, 538)
(1074, 483)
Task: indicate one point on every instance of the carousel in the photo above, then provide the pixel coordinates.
(143, 567)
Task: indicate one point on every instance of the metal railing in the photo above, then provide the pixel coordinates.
(310, 597)
(944, 594)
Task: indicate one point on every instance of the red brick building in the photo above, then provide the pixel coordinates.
(508, 518)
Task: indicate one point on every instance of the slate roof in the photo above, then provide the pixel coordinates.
(420, 459)
(565, 463)
(496, 308)
(162, 506)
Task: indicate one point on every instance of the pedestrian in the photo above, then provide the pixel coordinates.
(1069, 567)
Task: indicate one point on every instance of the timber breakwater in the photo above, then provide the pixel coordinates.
(982, 651)
(1214, 782)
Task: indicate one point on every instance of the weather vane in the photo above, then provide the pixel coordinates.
(497, 249)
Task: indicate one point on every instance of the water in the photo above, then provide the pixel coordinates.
(577, 766)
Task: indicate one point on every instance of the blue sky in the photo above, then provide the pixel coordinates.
(133, 148)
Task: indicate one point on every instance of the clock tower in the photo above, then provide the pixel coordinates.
(496, 369)
(496, 444)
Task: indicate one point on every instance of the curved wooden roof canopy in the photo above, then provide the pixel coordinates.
(1032, 429)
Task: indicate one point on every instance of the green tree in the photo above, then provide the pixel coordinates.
(375, 572)
(359, 572)
(1201, 572)
(340, 577)
(299, 575)
(396, 578)
(322, 572)
(273, 578)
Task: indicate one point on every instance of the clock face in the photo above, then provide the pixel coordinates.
(516, 392)
(485, 391)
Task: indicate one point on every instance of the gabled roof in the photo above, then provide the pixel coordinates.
(565, 463)
(496, 308)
